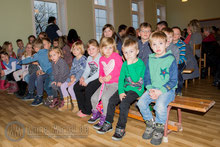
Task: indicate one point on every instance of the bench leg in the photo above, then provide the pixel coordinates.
(165, 137)
(186, 83)
(209, 71)
(180, 119)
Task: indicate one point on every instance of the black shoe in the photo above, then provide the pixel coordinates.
(97, 126)
(38, 101)
(119, 134)
(157, 134)
(28, 97)
(18, 95)
(149, 129)
(107, 127)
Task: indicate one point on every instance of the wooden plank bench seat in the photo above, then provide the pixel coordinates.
(180, 102)
(187, 71)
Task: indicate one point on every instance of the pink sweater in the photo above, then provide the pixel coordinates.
(110, 66)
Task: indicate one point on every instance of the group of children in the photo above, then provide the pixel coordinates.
(98, 83)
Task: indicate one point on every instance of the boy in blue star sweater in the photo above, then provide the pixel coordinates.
(160, 80)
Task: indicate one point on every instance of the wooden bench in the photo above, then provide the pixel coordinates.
(187, 71)
(180, 102)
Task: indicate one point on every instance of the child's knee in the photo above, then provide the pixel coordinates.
(68, 88)
(140, 104)
(124, 106)
(40, 79)
(160, 107)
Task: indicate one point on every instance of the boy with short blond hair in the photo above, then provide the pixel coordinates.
(143, 44)
(160, 80)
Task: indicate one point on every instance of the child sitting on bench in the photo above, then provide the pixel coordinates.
(130, 87)
(160, 80)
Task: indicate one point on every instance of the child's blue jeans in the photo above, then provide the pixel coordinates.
(43, 82)
(160, 106)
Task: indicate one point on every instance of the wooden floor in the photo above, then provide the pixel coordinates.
(48, 127)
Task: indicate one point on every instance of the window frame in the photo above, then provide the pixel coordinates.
(109, 14)
(162, 15)
(61, 11)
(135, 13)
(139, 12)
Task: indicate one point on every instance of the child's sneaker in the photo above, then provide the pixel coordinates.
(107, 127)
(119, 134)
(60, 106)
(149, 129)
(100, 123)
(10, 91)
(95, 116)
(158, 134)
(28, 97)
(54, 103)
(48, 101)
(38, 101)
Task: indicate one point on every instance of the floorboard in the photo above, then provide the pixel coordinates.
(48, 127)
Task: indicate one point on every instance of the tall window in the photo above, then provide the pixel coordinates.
(137, 12)
(135, 15)
(103, 15)
(158, 14)
(42, 11)
(100, 16)
(161, 13)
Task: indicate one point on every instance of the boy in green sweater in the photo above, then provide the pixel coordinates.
(130, 87)
(160, 80)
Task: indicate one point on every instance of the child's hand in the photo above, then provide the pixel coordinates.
(70, 83)
(81, 80)
(157, 93)
(154, 93)
(101, 80)
(59, 84)
(107, 78)
(20, 62)
(84, 84)
(39, 72)
(122, 96)
(35, 63)
(53, 83)
(72, 78)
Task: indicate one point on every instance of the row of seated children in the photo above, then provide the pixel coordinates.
(107, 81)
(160, 79)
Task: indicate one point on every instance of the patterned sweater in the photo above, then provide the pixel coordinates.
(182, 48)
(91, 72)
(60, 70)
(131, 77)
(110, 66)
(77, 68)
